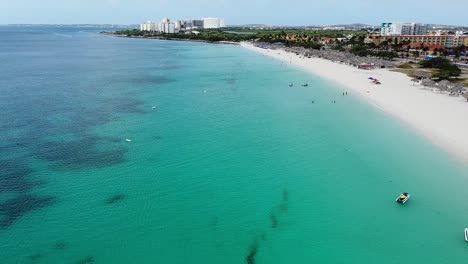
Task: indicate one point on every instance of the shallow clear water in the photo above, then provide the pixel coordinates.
(233, 166)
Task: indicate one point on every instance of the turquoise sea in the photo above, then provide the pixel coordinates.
(231, 166)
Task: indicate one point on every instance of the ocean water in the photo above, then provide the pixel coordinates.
(232, 166)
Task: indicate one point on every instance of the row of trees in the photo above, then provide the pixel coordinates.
(207, 35)
(304, 37)
(363, 51)
(301, 33)
(307, 45)
(218, 35)
(445, 69)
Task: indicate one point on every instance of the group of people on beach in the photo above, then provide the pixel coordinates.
(345, 93)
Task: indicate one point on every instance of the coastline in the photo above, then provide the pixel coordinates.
(437, 116)
(216, 134)
(172, 39)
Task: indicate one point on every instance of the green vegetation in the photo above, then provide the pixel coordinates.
(411, 69)
(445, 69)
(363, 51)
(304, 44)
(300, 32)
(458, 50)
(341, 40)
(205, 35)
(290, 37)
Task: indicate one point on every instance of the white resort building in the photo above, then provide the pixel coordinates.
(148, 26)
(399, 29)
(213, 22)
(171, 27)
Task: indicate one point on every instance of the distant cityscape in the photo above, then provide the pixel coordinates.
(417, 35)
(183, 26)
(435, 37)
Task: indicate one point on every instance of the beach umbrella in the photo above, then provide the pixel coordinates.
(453, 89)
(433, 85)
(457, 88)
(442, 87)
(444, 82)
(427, 82)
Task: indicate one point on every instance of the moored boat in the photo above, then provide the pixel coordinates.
(403, 198)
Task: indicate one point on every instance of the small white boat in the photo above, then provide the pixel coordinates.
(128, 140)
(154, 107)
(466, 234)
(403, 198)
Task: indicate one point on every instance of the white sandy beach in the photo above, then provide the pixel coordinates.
(438, 116)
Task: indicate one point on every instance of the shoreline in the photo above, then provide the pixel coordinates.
(172, 39)
(437, 116)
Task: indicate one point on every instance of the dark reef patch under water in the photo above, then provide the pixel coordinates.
(250, 258)
(83, 153)
(61, 133)
(253, 249)
(285, 195)
(116, 198)
(15, 208)
(87, 260)
(14, 177)
(157, 137)
(61, 245)
(274, 220)
(35, 257)
(283, 207)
